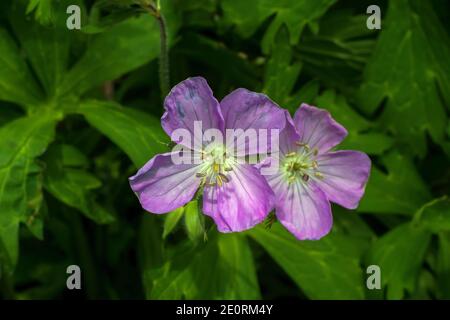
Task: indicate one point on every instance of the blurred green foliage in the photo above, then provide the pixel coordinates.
(79, 114)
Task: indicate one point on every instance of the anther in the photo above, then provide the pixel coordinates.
(200, 174)
(291, 166)
(318, 175)
(315, 151)
(291, 154)
(305, 177)
(302, 144)
(224, 177)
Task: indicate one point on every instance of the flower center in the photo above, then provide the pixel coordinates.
(301, 164)
(216, 165)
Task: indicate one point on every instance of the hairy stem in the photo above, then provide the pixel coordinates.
(164, 74)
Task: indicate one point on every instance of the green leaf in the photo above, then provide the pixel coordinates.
(435, 215)
(194, 221)
(408, 67)
(426, 285)
(236, 258)
(339, 51)
(36, 210)
(105, 13)
(113, 53)
(361, 133)
(351, 223)
(401, 190)
(221, 268)
(443, 265)
(281, 74)
(42, 10)
(22, 141)
(295, 14)
(399, 254)
(138, 134)
(306, 94)
(73, 186)
(72, 156)
(150, 249)
(44, 43)
(341, 25)
(324, 269)
(171, 221)
(16, 82)
(230, 66)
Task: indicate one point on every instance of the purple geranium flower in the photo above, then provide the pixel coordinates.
(235, 195)
(311, 175)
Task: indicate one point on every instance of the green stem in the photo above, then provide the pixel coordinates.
(164, 74)
(164, 77)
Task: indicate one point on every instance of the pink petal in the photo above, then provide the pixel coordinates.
(302, 208)
(191, 100)
(162, 186)
(288, 136)
(287, 144)
(244, 109)
(241, 203)
(317, 128)
(345, 174)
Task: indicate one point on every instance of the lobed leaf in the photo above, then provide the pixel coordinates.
(46, 46)
(399, 254)
(16, 82)
(295, 14)
(22, 141)
(401, 190)
(73, 185)
(408, 68)
(435, 215)
(362, 133)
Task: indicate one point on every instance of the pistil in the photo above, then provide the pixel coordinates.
(213, 171)
(301, 165)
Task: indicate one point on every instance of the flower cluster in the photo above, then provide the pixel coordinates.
(236, 193)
